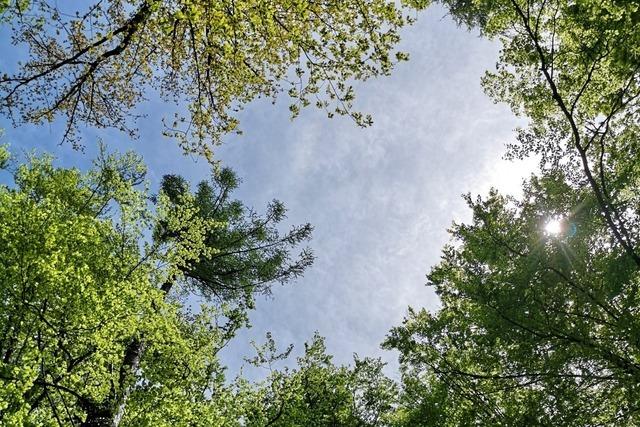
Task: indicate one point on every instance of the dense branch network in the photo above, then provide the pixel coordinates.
(209, 58)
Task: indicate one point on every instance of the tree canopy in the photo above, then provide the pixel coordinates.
(94, 66)
(536, 327)
(100, 279)
(95, 328)
(539, 294)
(573, 69)
(317, 392)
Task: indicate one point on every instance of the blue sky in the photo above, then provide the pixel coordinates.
(380, 198)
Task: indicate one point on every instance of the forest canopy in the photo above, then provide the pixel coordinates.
(116, 300)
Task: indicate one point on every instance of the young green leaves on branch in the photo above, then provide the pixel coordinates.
(210, 58)
(91, 330)
(538, 324)
(317, 392)
(573, 67)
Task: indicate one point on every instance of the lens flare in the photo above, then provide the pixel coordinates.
(553, 227)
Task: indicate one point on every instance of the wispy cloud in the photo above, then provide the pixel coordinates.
(380, 198)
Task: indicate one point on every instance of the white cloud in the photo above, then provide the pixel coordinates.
(380, 198)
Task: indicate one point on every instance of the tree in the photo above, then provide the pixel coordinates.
(535, 328)
(93, 67)
(243, 254)
(317, 392)
(90, 333)
(540, 328)
(573, 68)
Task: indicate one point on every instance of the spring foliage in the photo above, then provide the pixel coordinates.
(540, 328)
(538, 325)
(83, 285)
(210, 58)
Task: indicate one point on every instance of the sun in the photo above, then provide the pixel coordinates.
(553, 227)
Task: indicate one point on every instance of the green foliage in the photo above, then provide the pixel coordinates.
(250, 253)
(4, 156)
(535, 328)
(61, 256)
(212, 57)
(538, 328)
(573, 68)
(317, 392)
(88, 330)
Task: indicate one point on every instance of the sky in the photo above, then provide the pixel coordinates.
(380, 199)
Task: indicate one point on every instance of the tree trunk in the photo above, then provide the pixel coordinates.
(110, 414)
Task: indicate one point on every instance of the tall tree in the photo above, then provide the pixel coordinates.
(92, 328)
(573, 68)
(93, 67)
(539, 327)
(242, 254)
